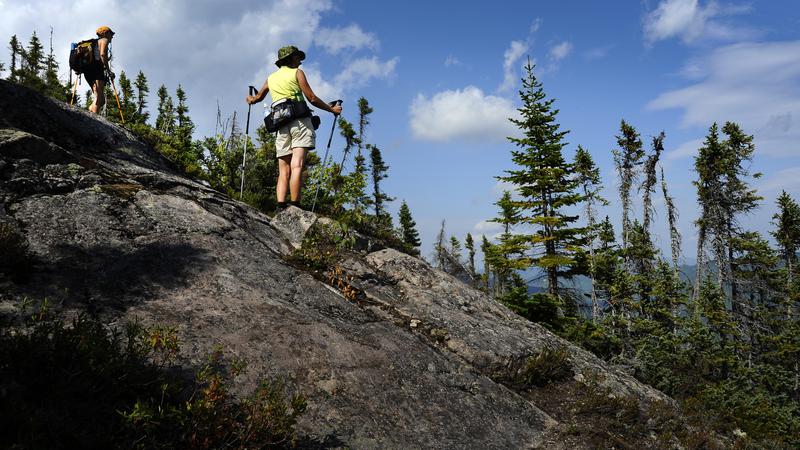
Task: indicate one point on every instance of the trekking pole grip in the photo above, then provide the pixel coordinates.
(252, 90)
(335, 103)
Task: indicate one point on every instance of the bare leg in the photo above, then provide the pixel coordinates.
(99, 90)
(284, 170)
(296, 179)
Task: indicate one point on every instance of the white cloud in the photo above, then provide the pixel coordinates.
(486, 226)
(684, 150)
(537, 23)
(510, 58)
(213, 49)
(752, 84)
(335, 40)
(501, 186)
(691, 22)
(462, 114)
(560, 51)
(598, 52)
(452, 61)
(491, 230)
(361, 71)
(787, 179)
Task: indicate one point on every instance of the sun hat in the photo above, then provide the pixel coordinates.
(288, 51)
(103, 30)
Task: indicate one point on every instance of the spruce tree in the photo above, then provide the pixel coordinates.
(408, 229)
(709, 184)
(627, 159)
(740, 197)
(348, 133)
(440, 250)
(455, 250)
(111, 107)
(672, 220)
(508, 255)
(185, 126)
(364, 110)
(487, 268)
(165, 121)
(469, 244)
(33, 60)
(379, 169)
(141, 99)
(127, 97)
(724, 194)
(16, 50)
(53, 86)
(545, 184)
(363, 202)
(349, 189)
(787, 235)
(589, 180)
(648, 187)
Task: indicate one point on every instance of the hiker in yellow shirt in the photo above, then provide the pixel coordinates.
(296, 137)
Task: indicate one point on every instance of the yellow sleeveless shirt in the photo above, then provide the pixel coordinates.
(283, 84)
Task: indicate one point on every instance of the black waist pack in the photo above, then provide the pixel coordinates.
(284, 111)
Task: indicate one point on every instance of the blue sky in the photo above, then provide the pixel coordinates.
(443, 78)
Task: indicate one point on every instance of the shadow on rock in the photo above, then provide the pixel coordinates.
(101, 277)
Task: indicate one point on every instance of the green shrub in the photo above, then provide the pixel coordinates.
(84, 386)
(322, 246)
(548, 366)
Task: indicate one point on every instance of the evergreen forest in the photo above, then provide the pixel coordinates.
(724, 341)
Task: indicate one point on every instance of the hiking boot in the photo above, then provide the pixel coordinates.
(280, 207)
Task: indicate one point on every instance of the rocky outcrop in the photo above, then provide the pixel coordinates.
(405, 357)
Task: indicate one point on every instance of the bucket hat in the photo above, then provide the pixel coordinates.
(288, 51)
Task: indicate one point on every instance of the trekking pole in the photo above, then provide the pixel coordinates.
(325, 159)
(252, 91)
(75, 89)
(118, 104)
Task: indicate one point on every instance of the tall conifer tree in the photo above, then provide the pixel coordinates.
(627, 159)
(589, 179)
(648, 187)
(469, 244)
(127, 97)
(787, 233)
(165, 121)
(672, 220)
(16, 51)
(142, 92)
(53, 86)
(364, 110)
(185, 126)
(33, 60)
(545, 184)
(379, 169)
(408, 229)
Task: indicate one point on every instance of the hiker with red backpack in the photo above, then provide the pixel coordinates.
(291, 119)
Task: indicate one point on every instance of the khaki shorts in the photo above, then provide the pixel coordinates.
(297, 133)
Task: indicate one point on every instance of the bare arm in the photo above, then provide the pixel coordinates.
(102, 45)
(312, 98)
(250, 99)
